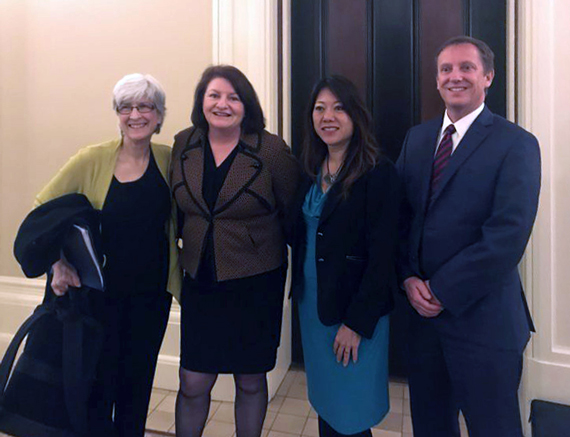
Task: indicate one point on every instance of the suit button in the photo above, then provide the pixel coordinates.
(321, 260)
(320, 234)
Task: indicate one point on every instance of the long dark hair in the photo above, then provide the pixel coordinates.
(253, 121)
(362, 153)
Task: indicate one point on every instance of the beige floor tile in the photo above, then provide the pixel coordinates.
(289, 423)
(214, 405)
(406, 392)
(296, 407)
(163, 391)
(160, 420)
(407, 410)
(172, 429)
(298, 391)
(311, 428)
(219, 429)
(407, 435)
(275, 403)
(279, 434)
(156, 397)
(269, 419)
(288, 382)
(385, 433)
(392, 422)
(397, 405)
(168, 403)
(313, 414)
(301, 378)
(396, 389)
(407, 428)
(225, 413)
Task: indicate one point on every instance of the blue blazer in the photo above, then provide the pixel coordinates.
(469, 240)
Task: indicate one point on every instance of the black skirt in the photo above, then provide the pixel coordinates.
(232, 326)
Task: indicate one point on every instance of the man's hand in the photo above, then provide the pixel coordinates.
(422, 299)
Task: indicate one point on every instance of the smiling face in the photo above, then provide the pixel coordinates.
(139, 127)
(461, 79)
(222, 106)
(330, 121)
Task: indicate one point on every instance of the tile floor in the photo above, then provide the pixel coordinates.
(289, 413)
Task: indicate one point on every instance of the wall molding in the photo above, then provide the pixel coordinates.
(245, 36)
(541, 54)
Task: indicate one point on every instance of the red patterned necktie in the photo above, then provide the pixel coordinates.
(442, 157)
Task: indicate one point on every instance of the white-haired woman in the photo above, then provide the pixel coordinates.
(126, 178)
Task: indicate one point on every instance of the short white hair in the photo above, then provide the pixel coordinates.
(136, 87)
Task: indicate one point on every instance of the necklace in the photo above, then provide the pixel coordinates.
(330, 178)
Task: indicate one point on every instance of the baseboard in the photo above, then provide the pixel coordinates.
(544, 380)
(548, 381)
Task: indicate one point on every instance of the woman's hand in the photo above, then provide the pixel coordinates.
(346, 344)
(64, 276)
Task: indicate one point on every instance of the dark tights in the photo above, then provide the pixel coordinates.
(325, 430)
(193, 403)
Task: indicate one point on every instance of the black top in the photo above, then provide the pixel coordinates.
(133, 227)
(212, 183)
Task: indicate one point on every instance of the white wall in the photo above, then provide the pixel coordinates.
(59, 60)
(544, 93)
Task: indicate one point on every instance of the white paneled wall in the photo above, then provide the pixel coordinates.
(543, 95)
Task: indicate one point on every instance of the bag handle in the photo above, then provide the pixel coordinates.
(12, 351)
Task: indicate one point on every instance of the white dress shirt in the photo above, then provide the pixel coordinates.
(461, 126)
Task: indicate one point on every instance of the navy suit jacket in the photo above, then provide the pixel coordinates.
(469, 240)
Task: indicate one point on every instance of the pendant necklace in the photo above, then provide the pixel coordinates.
(330, 178)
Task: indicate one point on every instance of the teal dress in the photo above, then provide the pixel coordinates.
(354, 398)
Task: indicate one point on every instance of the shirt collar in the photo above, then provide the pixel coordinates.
(463, 124)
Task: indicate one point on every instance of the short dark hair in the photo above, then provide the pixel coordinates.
(362, 153)
(485, 53)
(253, 121)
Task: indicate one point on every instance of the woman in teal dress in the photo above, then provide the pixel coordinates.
(344, 249)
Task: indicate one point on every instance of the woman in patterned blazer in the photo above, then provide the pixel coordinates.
(233, 182)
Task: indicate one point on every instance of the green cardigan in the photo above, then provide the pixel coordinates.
(90, 172)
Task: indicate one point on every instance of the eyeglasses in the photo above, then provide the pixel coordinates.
(143, 108)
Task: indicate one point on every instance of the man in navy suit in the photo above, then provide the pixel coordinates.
(472, 181)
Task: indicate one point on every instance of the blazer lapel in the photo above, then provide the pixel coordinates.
(192, 161)
(473, 138)
(332, 200)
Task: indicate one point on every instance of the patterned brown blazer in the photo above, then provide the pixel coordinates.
(248, 218)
